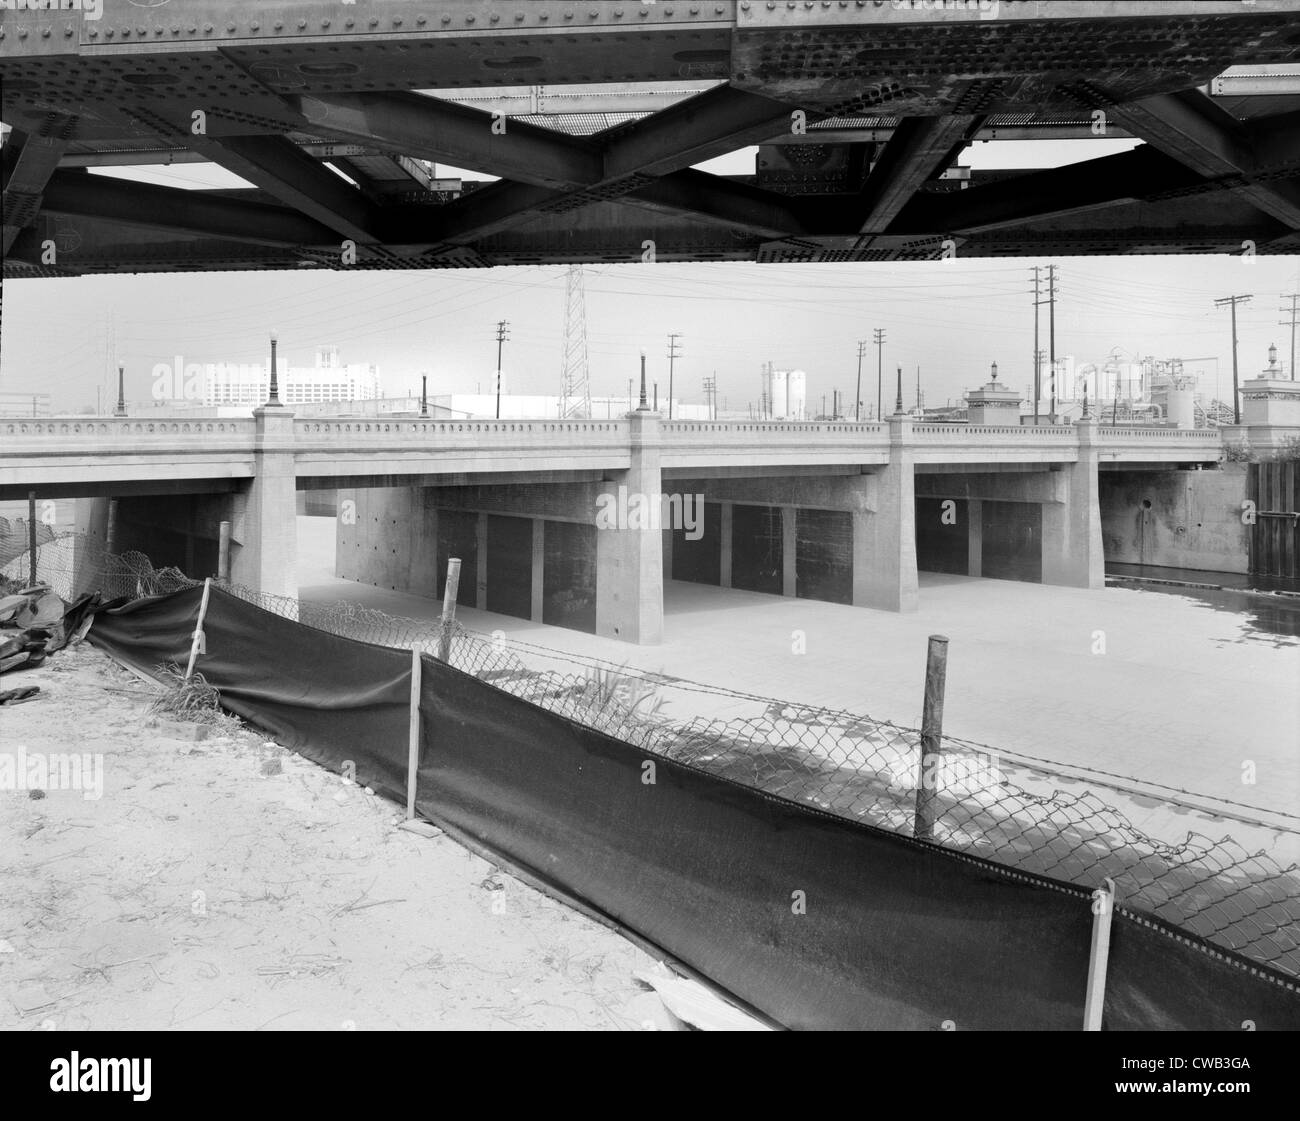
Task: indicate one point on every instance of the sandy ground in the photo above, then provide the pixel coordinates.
(202, 892)
(1154, 687)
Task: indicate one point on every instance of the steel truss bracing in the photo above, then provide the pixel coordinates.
(595, 117)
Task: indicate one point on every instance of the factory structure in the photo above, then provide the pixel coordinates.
(784, 394)
(1151, 392)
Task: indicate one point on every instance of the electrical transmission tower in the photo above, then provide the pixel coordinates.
(575, 384)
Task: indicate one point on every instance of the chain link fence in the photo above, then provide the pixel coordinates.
(841, 762)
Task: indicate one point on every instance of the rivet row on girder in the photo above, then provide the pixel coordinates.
(567, 14)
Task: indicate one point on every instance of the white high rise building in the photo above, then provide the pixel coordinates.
(328, 380)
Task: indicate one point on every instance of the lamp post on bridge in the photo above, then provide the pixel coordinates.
(273, 400)
(121, 390)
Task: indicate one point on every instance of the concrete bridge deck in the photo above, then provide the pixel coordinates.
(86, 456)
(821, 509)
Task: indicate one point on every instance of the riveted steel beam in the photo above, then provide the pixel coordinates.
(919, 150)
(413, 125)
(199, 213)
(1073, 189)
(748, 210)
(30, 158)
(283, 170)
(709, 124)
(1191, 128)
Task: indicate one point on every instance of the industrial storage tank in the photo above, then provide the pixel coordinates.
(777, 399)
(796, 395)
(1180, 403)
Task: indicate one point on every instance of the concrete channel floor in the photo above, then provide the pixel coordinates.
(1155, 687)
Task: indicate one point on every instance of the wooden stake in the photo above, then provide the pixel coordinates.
(198, 644)
(936, 673)
(448, 608)
(413, 745)
(1103, 906)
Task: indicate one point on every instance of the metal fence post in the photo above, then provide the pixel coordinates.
(1103, 906)
(936, 673)
(448, 608)
(413, 744)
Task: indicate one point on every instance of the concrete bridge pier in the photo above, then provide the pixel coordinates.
(884, 529)
(1072, 541)
(629, 562)
(264, 523)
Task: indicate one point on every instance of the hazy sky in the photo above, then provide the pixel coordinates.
(952, 318)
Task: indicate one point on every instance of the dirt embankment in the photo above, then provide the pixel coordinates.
(230, 884)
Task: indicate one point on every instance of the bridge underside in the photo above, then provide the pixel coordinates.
(860, 111)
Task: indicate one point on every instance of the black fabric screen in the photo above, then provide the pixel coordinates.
(815, 920)
(331, 699)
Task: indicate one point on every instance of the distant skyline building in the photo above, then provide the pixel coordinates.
(329, 379)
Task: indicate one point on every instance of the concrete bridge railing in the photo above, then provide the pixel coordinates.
(1064, 432)
(363, 432)
(691, 445)
(413, 446)
(1132, 434)
(72, 434)
(686, 428)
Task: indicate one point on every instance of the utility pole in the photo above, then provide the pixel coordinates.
(1051, 336)
(857, 397)
(878, 335)
(1038, 354)
(919, 409)
(674, 350)
(503, 328)
(1294, 297)
(711, 395)
(1232, 302)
